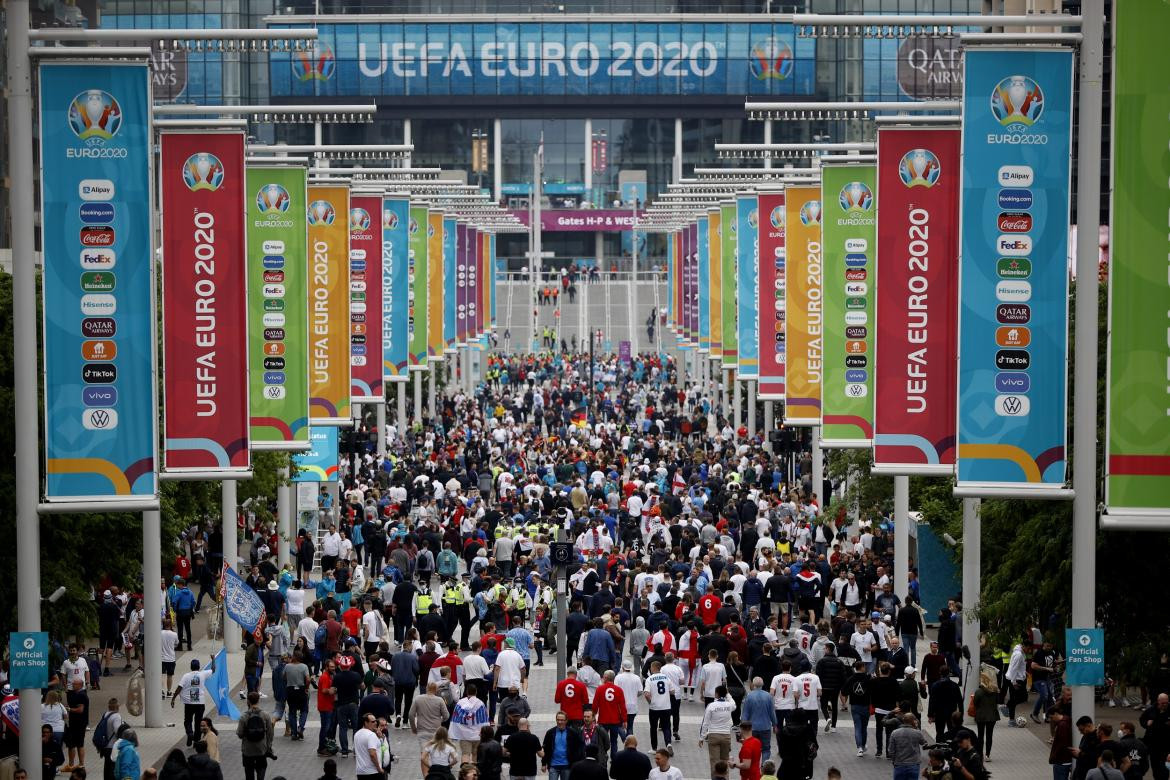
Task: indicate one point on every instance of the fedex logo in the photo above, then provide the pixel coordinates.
(1014, 246)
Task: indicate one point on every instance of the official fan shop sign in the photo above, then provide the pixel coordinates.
(435, 344)
(28, 659)
(204, 300)
(395, 288)
(773, 280)
(462, 292)
(99, 315)
(747, 219)
(1013, 295)
(278, 376)
(917, 254)
(714, 293)
(1137, 457)
(703, 283)
(1084, 662)
(365, 299)
(329, 299)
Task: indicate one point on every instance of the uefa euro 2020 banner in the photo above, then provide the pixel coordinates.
(473, 292)
(319, 462)
(450, 286)
(747, 283)
(773, 335)
(461, 255)
(329, 290)
(804, 352)
(914, 331)
(714, 293)
(204, 303)
(1137, 462)
(727, 306)
(849, 236)
(365, 299)
(417, 273)
(703, 282)
(395, 288)
(435, 344)
(278, 326)
(1013, 294)
(100, 407)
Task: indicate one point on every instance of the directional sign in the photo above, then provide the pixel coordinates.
(1085, 662)
(28, 653)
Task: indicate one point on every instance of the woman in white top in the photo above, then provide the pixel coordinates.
(439, 752)
(54, 714)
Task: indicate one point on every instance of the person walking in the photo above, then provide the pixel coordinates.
(758, 710)
(905, 748)
(716, 727)
(562, 748)
(191, 691)
(986, 699)
(254, 729)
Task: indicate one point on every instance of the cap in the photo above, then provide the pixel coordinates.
(909, 670)
(344, 661)
(107, 594)
(272, 585)
(627, 666)
(510, 642)
(876, 615)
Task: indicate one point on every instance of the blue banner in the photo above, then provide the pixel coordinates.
(319, 462)
(395, 288)
(241, 603)
(28, 659)
(99, 316)
(747, 284)
(219, 687)
(450, 288)
(1084, 650)
(1013, 310)
(703, 283)
(535, 59)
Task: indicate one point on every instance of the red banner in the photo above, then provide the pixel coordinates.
(365, 305)
(771, 259)
(204, 283)
(917, 300)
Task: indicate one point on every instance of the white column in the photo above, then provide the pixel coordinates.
(588, 167)
(400, 418)
(284, 512)
(767, 140)
(407, 139)
(769, 424)
(498, 160)
(751, 407)
(818, 459)
(433, 377)
(381, 428)
(901, 536)
(152, 614)
(737, 400)
(972, 563)
(678, 147)
(227, 499)
(418, 396)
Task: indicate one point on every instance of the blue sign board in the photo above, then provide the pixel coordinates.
(28, 653)
(1013, 310)
(450, 289)
(395, 288)
(747, 285)
(319, 463)
(99, 316)
(542, 59)
(1084, 656)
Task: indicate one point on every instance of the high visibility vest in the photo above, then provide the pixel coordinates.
(424, 603)
(453, 595)
(518, 599)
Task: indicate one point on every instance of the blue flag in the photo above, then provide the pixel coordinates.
(220, 687)
(241, 603)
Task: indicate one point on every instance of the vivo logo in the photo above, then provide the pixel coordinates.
(1013, 291)
(1012, 382)
(274, 377)
(856, 375)
(1016, 176)
(99, 396)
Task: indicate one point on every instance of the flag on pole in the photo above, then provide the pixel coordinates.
(219, 686)
(241, 603)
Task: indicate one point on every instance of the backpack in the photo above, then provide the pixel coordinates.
(101, 733)
(320, 637)
(254, 728)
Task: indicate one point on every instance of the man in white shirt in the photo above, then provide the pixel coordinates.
(190, 690)
(808, 698)
(509, 671)
(475, 672)
(712, 676)
(367, 750)
(166, 652)
(1017, 680)
(865, 643)
(661, 691)
(716, 727)
(330, 548)
(631, 685)
(588, 675)
(662, 769)
(373, 629)
(784, 695)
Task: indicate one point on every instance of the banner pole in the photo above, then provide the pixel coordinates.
(418, 394)
(818, 467)
(1084, 533)
(769, 423)
(283, 517)
(152, 614)
(972, 585)
(401, 416)
(24, 338)
(381, 429)
(227, 499)
(751, 407)
(901, 535)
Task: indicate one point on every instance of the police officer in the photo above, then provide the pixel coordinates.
(456, 600)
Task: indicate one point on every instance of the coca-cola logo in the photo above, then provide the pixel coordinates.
(97, 236)
(1015, 222)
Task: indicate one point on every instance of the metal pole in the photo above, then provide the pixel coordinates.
(400, 418)
(284, 517)
(152, 614)
(24, 338)
(768, 140)
(769, 424)
(818, 460)
(751, 407)
(537, 224)
(630, 291)
(1084, 542)
(418, 394)
(972, 542)
(433, 381)
(227, 499)
(498, 161)
(901, 536)
(381, 428)
(737, 400)
(561, 585)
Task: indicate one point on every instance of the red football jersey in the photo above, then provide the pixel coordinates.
(609, 705)
(572, 695)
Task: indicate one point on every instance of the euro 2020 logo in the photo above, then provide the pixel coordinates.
(777, 218)
(95, 116)
(919, 168)
(856, 197)
(203, 171)
(389, 220)
(321, 212)
(771, 59)
(359, 219)
(412, 226)
(810, 213)
(272, 199)
(754, 218)
(1017, 100)
(316, 64)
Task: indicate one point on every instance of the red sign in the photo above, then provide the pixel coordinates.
(772, 281)
(97, 236)
(205, 352)
(1010, 222)
(916, 337)
(365, 316)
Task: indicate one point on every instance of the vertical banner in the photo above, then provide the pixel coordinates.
(703, 282)
(728, 305)
(204, 303)
(319, 462)
(772, 340)
(472, 284)
(492, 276)
(684, 264)
(450, 286)
(1013, 293)
(278, 325)
(484, 288)
(98, 284)
(747, 275)
(365, 300)
(914, 336)
(461, 284)
(329, 291)
(417, 272)
(714, 293)
(803, 293)
(670, 277)
(693, 287)
(435, 344)
(395, 288)
(1137, 458)
(849, 236)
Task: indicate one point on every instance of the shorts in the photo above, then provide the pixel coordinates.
(168, 667)
(75, 732)
(782, 607)
(108, 642)
(468, 747)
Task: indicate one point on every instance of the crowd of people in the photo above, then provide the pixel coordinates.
(701, 579)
